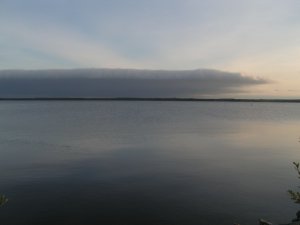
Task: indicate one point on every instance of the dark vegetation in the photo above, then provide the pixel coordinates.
(295, 195)
(3, 200)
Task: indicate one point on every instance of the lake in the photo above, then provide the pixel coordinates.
(147, 163)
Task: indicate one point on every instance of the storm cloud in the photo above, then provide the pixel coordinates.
(122, 83)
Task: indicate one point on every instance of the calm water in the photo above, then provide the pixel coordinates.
(140, 163)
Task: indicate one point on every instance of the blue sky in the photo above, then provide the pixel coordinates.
(256, 38)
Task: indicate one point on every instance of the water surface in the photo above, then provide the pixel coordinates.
(140, 163)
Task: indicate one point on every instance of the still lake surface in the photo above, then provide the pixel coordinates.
(147, 163)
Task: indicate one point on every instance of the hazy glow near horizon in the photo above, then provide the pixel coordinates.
(254, 37)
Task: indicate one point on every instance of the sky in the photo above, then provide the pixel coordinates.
(255, 39)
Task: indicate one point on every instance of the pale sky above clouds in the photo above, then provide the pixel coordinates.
(251, 37)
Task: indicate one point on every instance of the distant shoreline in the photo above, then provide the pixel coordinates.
(152, 99)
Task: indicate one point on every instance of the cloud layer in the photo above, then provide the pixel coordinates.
(122, 83)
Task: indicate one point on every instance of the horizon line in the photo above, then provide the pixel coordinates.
(291, 100)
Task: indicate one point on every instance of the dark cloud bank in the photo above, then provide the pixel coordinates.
(121, 83)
